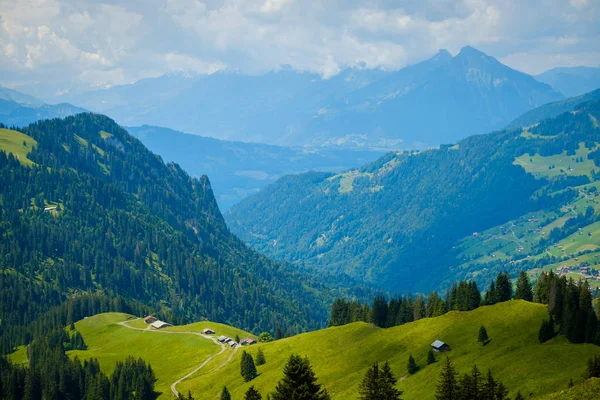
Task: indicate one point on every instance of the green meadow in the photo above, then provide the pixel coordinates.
(12, 142)
(341, 355)
(171, 355)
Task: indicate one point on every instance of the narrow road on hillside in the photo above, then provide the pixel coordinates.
(178, 381)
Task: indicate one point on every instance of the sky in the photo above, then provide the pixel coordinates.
(63, 44)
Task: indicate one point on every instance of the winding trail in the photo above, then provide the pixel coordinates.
(198, 368)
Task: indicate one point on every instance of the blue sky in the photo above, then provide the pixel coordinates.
(82, 43)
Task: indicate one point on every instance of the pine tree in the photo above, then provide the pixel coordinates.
(260, 357)
(430, 357)
(379, 311)
(237, 338)
(447, 387)
(504, 291)
(490, 295)
(571, 384)
(388, 381)
(252, 394)
(299, 382)
(593, 369)
(501, 392)
(369, 386)
(412, 365)
(523, 291)
(379, 384)
(490, 387)
(247, 367)
(483, 336)
(225, 395)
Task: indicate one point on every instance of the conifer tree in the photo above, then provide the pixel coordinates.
(379, 311)
(483, 336)
(247, 367)
(369, 386)
(571, 384)
(260, 357)
(299, 382)
(252, 394)
(225, 395)
(504, 290)
(389, 391)
(523, 291)
(490, 295)
(430, 357)
(447, 387)
(490, 387)
(379, 384)
(412, 365)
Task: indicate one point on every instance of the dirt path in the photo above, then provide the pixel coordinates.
(178, 381)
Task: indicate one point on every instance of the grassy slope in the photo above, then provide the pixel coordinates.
(341, 355)
(589, 389)
(171, 355)
(12, 142)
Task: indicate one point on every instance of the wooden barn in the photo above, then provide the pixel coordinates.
(159, 324)
(150, 319)
(208, 331)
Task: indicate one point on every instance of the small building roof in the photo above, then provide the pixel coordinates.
(160, 324)
(222, 338)
(208, 330)
(437, 344)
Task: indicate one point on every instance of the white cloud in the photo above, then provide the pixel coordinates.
(90, 42)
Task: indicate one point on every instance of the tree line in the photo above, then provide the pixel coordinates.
(462, 296)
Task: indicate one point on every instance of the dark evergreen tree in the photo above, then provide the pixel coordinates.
(412, 366)
(368, 388)
(504, 290)
(299, 382)
(447, 387)
(260, 357)
(483, 336)
(252, 394)
(379, 311)
(225, 395)
(388, 382)
(247, 367)
(379, 384)
(523, 291)
(490, 295)
(430, 357)
(593, 368)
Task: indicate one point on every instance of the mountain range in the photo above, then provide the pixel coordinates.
(572, 81)
(440, 100)
(19, 109)
(402, 222)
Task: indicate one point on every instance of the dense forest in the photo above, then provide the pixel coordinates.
(397, 223)
(97, 212)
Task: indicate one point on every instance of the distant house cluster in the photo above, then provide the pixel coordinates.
(233, 343)
(582, 268)
(156, 323)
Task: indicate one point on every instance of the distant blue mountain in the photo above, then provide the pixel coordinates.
(19, 109)
(237, 169)
(439, 100)
(573, 81)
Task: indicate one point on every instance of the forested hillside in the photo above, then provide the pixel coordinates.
(401, 222)
(86, 208)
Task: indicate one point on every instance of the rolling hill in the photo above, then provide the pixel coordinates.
(553, 109)
(86, 208)
(238, 169)
(436, 101)
(403, 222)
(341, 355)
